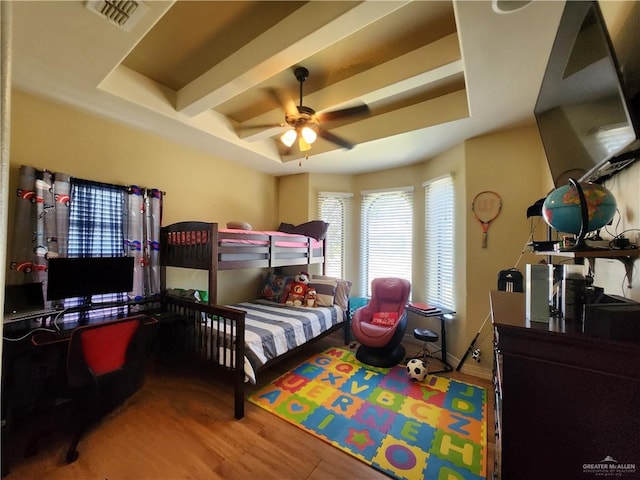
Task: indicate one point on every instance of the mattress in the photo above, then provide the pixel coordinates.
(281, 239)
(272, 329)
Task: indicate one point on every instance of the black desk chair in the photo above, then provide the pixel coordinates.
(105, 365)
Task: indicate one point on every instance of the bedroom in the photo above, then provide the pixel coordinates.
(41, 135)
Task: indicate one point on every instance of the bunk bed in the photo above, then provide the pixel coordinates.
(239, 341)
(204, 246)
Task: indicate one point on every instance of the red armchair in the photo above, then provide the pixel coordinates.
(380, 343)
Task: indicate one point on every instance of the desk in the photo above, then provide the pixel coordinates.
(34, 386)
(443, 314)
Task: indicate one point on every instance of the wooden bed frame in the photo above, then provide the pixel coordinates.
(213, 333)
(200, 245)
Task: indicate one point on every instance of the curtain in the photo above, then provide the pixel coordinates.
(144, 216)
(56, 215)
(41, 224)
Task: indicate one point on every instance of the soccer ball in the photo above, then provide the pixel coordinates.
(417, 369)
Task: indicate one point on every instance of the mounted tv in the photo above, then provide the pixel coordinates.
(85, 277)
(587, 117)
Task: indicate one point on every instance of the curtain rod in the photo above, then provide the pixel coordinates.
(83, 181)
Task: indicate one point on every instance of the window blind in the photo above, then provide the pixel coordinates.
(387, 235)
(96, 220)
(335, 209)
(439, 241)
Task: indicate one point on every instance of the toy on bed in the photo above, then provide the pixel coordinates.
(311, 298)
(298, 290)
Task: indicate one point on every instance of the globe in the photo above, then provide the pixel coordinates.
(561, 209)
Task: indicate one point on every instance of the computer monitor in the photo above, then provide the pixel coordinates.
(85, 277)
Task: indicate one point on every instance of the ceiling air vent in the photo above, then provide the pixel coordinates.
(123, 13)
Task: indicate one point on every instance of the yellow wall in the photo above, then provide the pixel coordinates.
(198, 186)
(294, 205)
(513, 164)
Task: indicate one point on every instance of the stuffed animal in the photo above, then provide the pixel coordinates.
(310, 298)
(298, 290)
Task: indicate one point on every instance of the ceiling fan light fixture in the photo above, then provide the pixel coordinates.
(309, 135)
(289, 137)
(303, 145)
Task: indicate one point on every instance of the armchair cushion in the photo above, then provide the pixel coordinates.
(387, 319)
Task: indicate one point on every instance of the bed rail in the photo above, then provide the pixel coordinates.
(215, 335)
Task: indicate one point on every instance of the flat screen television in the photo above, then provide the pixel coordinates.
(587, 116)
(84, 277)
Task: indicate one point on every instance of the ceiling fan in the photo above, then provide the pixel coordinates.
(305, 123)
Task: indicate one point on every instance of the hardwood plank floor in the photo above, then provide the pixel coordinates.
(180, 425)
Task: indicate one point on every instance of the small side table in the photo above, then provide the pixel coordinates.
(443, 314)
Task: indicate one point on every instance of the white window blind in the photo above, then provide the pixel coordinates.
(387, 235)
(335, 209)
(439, 241)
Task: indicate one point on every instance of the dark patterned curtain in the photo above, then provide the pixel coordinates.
(56, 215)
(144, 216)
(41, 224)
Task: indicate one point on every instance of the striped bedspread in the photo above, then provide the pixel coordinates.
(272, 329)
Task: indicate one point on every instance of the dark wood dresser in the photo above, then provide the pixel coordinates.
(567, 404)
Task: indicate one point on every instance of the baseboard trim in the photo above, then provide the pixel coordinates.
(476, 370)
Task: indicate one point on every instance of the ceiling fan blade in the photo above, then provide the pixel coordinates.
(335, 139)
(283, 99)
(359, 110)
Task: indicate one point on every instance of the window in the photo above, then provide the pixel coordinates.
(96, 220)
(96, 228)
(439, 241)
(387, 235)
(335, 209)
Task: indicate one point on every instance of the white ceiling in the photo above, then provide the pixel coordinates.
(433, 73)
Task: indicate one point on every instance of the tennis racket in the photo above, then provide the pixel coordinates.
(486, 207)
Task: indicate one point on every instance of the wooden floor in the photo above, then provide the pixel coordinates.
(180, 425)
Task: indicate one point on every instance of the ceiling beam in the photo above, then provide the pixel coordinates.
(309, 31)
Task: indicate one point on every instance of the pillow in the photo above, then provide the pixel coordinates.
(315, 229)
(387, 319)
(188, 294)
(239, 225)
(343, 290)
(275, 287)
(325, 291)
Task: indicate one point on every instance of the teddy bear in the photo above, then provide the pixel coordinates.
(298, 290)
(310, 299)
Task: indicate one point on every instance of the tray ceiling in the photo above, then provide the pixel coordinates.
(432, 72)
